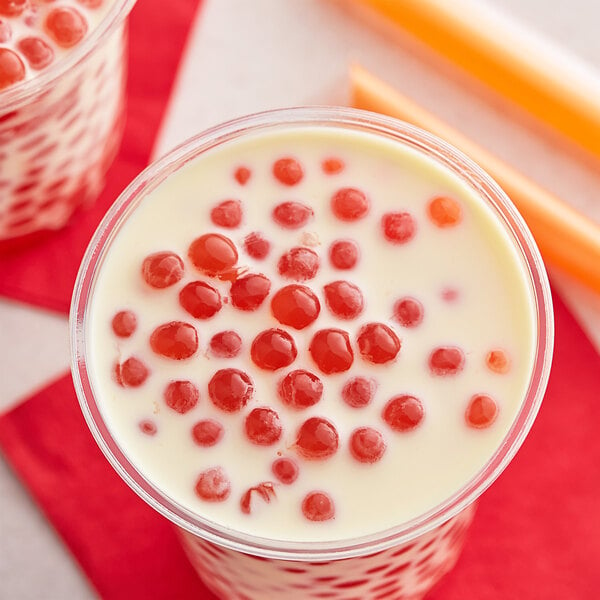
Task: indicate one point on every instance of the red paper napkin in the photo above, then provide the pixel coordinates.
(536, 534)
(123, 546)
(44, 274)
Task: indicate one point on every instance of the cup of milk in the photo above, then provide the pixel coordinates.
(311, 338)
(62, 94)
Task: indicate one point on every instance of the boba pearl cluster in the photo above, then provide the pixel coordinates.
(265, 361)
(35, 33)
(214, 257)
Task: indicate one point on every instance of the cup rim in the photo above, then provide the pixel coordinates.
(374, 123)
(15, 95)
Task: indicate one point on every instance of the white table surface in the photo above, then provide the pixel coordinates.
(248, 56)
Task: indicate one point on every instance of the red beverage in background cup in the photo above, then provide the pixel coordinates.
(311, 338)
(62, 85)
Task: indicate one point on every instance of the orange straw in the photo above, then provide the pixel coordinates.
(558, 89)
(566, 238)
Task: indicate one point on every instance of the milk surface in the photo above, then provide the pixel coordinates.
(476, 261)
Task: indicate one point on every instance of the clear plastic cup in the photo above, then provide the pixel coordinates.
(60, 131)
(404, 561)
